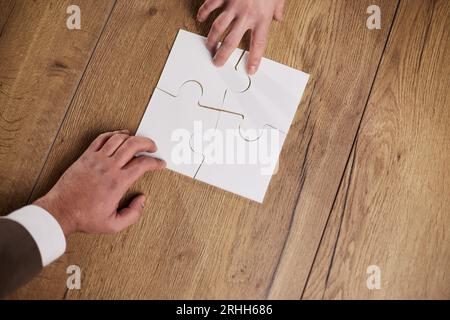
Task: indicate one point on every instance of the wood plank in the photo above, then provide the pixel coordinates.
(398, 211)
(6, 8)
(136, 32)
(41, 63)
(318, 277)
(341, 95)
(196, 241)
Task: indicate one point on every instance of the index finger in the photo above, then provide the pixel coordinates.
(131, 147)
(142, 164)
(230, 43)
(101, 139)
(257, 47)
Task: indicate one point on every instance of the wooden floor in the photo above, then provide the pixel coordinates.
(364, 175)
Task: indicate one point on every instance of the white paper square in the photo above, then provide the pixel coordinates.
(265, 110)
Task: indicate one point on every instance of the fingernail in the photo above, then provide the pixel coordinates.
(143, 203)
(252, 70)
(217, 62)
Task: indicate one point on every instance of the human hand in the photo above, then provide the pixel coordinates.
(240, 16)
(87, 196)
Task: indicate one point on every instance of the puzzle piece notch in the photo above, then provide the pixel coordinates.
(271, 100)
(170, 121)
(190, 60)
(241, 167)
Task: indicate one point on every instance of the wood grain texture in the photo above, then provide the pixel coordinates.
(6, 8)
(319, 274)
(41, 63)
(349, 194)
(398, 209)
(196, 241)
(346, 57)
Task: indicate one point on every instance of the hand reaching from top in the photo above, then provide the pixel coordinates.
(240, 16)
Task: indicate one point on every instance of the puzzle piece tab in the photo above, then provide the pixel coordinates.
(189, 60)
(272, 99)
(170, 122)
(239, 166)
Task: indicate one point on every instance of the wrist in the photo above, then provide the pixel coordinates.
(52, 204)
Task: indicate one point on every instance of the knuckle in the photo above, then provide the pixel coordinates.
(259, 43)
(101, 164)
(132, 142)
(247, 10)
(85, 157)
(227, 45)
(114, 183)
(102, 171)
(120, 136)
(100, 137)
(210, 41)
(217, 26)
(103, 167)
(114, 137)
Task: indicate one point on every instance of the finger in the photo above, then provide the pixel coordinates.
(131, 147)
(230, 43)
(113, 144)
(257, 48)
(129, 215)
(101, 139)
(140, 165)
(208, 7)
(219, 26)
(279, 10)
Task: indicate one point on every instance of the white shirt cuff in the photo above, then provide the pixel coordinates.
(44, 229)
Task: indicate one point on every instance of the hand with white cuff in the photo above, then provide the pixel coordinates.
(86, 198)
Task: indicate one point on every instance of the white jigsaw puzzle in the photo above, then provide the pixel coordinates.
(243, 120)
(272, 99)
(170, 120)
(189, 59)
(240, 166)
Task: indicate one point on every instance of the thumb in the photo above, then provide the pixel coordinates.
(129, 215)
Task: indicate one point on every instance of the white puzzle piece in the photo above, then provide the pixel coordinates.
(189, 59)
(272, 99)
(241, 167)
(244, 120)
(170, 122)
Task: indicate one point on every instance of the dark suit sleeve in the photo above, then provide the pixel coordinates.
(20, 259)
